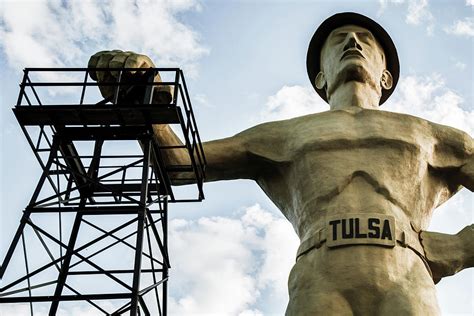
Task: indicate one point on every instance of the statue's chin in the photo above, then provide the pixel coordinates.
(353, 72)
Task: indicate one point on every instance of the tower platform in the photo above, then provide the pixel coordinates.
(95, 229)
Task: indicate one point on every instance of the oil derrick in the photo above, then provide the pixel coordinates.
(95, 229)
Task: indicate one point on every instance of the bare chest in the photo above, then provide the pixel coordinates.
(347, 133)
(367, 153)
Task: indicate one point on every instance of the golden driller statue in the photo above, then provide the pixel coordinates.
(358, 184)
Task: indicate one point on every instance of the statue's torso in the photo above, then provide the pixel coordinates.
(354, 162)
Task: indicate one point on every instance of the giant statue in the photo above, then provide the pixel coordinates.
(358, 184)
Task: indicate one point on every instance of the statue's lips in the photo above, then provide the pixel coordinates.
(352, 53)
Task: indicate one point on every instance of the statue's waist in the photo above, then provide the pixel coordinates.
(375, 229)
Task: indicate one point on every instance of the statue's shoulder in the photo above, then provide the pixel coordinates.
(275, 140)
(443, 135)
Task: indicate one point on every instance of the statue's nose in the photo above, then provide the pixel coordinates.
(351, 42)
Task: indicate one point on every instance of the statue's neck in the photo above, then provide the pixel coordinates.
(354, 94)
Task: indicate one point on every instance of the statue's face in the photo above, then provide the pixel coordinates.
(351, 53)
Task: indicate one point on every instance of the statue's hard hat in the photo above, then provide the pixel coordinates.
(314, 51)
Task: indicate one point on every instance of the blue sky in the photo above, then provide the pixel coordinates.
(245, 64)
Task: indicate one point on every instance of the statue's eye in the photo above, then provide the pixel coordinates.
(365, 37)
(339, 38)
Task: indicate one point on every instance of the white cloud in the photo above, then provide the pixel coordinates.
(202, 100)
(462, 27)
(292, 101)
(428, 97)
(460, 65)
(418, 12)
(470, 2)
(57, 33)
(384, 4)
(232, 259)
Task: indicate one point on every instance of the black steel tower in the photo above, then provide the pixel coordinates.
(95, 229)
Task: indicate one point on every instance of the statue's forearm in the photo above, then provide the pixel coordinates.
(448, 254)
(163, 135)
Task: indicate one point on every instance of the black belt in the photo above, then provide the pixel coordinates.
(334, 236)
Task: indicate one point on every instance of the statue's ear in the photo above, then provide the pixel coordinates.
(387, 80)
(320, 80)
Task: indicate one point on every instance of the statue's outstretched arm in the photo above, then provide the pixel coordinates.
(448, 254)
(226, 158)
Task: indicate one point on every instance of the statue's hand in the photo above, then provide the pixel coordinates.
(449, 254)
(119, 59)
